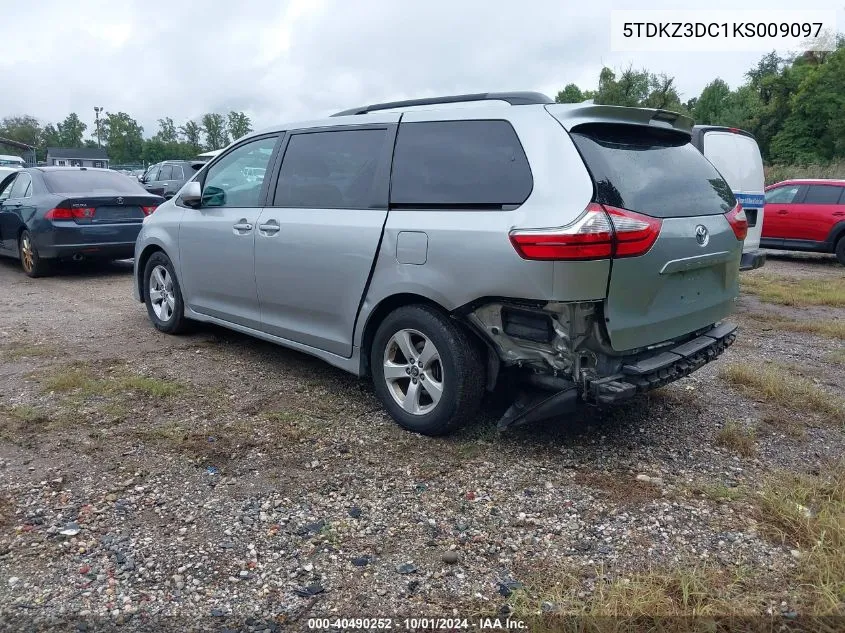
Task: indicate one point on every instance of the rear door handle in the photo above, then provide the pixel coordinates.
(272, 227)
(242, 226)
(783, 212)
(838, 214)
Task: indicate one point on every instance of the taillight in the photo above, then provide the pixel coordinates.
(78, 213)
(635, 233)
(148, 210)
(738, 221)
(598, 233)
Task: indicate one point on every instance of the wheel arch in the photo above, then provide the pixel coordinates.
(141, 264)
(388, 305)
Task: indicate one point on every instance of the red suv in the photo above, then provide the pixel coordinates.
(806, 215)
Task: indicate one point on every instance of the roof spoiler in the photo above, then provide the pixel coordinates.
(571, 116)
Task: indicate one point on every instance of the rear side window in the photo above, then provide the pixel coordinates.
(782, 195)
(330, 170)
(22, 187)
(82, 181)
(166, 173)
(459, 164)
(652, 171)
(823, 194)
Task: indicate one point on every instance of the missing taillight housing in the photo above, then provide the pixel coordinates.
(148, 210)
(600, 232)
(738, 221)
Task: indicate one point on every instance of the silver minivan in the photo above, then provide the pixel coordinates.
(579, 253)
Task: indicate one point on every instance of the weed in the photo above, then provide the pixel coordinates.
(820, 327)
(779, 385)
(735, 437)
(796, 291)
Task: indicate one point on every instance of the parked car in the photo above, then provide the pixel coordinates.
(736, 155)
(10, 164)
(166, 178)
(52, 213)
(585, 252)
(806, 215)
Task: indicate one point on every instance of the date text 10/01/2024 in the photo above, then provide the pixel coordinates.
(416, 624)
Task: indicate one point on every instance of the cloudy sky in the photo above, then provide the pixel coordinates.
(284, 60)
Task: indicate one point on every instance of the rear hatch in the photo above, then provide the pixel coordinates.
(737, 157)
(687, 280)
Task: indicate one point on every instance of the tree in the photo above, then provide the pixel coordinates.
(24, 129)
(123, 137)
(50, 136)
(191, 133)
(70, 131)
(570, 94)
(166, 131)
(710, 107)
(239, 124)
(214, 126)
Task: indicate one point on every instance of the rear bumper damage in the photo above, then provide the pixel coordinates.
(560, 357)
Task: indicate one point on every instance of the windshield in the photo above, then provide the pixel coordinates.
(652, 171)
(91, 182)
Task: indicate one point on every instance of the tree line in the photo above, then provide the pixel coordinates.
(123, 137)
(794, 106)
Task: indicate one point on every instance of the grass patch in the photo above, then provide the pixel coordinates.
(789, 426)
(837, 357)
(293, 426)
(780, 386)
(619, 488)
(820, 327)
(214, 445)
(17, 351)
(82, 381)
(791, 291)
(737, 438)
(808, 513)
(682, 591)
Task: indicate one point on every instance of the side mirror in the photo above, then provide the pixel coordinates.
(191, 194)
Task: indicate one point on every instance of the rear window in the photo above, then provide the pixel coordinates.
(652, 171)
(459, 164)
(86, 181)
(737, 158)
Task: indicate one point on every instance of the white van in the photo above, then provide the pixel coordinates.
(735, 154)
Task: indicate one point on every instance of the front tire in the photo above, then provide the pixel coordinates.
(427, 371)
(163, 295)
(31, 261)
(840, 250)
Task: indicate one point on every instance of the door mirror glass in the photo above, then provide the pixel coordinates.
(191, 194)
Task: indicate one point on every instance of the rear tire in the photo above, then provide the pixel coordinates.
(163, 295)
(31, 261)
(427, 372)
(840, 250)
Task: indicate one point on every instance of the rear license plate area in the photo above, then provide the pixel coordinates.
(118, 214)
(751, 215)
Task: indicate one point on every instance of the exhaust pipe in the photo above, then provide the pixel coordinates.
(78, 257)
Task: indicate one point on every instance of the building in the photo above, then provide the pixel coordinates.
(77, 157)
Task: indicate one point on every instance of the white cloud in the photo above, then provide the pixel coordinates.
(302, 59)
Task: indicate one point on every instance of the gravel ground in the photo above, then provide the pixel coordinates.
(209, 475)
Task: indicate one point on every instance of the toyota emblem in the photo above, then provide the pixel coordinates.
(702, 236)
(120, 201)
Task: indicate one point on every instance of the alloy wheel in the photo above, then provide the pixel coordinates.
(413, 371)
(27, 255)
(162, 296)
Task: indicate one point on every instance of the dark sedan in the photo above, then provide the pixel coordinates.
(52, 213)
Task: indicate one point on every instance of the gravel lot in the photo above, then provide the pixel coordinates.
(213, 475)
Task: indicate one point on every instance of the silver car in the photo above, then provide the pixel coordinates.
(580, 254)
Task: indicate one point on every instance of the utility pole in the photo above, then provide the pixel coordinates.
(97, 110)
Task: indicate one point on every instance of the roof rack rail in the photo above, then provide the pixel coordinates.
(513, 98)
